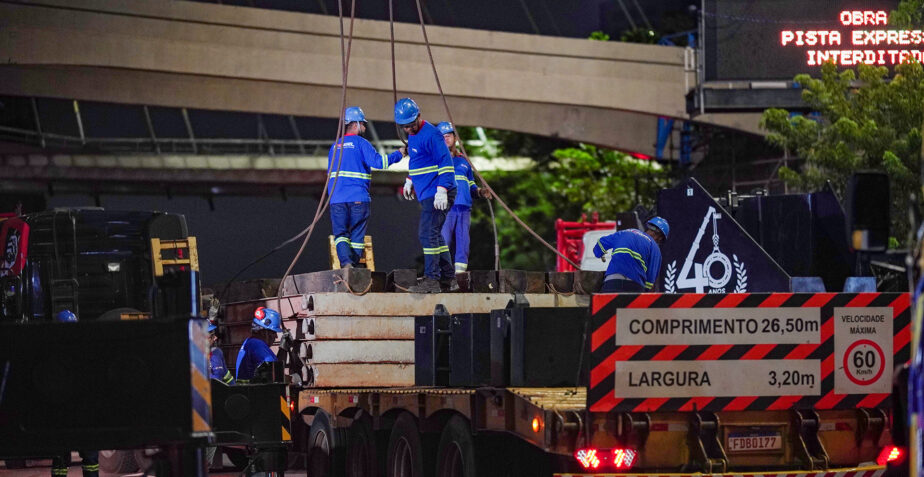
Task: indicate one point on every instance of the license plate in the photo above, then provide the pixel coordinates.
(754, 441)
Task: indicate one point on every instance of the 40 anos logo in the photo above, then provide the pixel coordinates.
(712, 275)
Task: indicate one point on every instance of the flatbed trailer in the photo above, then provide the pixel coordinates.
(587, 429)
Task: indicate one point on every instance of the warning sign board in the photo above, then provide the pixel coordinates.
(862, 350)
(723, 352)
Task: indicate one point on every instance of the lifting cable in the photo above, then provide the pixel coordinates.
(323, 203)
(484, 183)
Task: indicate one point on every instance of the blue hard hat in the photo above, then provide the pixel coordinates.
(445, 127)
(267, 318)
(353, 114)
(66, 316)
(660, 224)
(212, 327)
(406, 111)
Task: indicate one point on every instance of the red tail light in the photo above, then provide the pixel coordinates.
(890, 455)
(624, 458)
(588, 458)
(291, 406)
(621, 459)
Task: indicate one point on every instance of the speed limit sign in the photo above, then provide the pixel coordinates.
(864, 362)
(863, 350)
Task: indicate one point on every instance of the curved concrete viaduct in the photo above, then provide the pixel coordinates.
(198, 55)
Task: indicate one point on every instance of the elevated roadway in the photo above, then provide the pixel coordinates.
(200, 55)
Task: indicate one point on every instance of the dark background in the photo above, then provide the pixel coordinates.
(743, 36)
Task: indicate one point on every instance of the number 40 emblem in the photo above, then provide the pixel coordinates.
(713, 273)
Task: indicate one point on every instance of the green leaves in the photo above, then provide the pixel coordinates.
(863, 120)
(574, 180)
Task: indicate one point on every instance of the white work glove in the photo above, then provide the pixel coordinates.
(441, 199)
(408, 189)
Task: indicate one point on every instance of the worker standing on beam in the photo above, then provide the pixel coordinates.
(636, 257)
(457, 221)
(432, 176)
(350, 163)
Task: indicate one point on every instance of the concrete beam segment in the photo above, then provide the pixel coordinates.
(190, 54)
(353, 351)
(410, 304)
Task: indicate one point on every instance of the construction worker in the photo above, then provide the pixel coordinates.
(89, 459)
(460, 215)
(217, 368)
(350, 163)
(256, 349)
(636, 257)
(432, 176)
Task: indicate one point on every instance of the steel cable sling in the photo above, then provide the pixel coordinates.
(484, 183)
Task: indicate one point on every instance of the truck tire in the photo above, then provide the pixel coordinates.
(117, 462)
(405, 452)
(455, 456)
(361, 458)
(325, 448)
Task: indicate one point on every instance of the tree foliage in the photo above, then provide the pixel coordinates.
(572, 181)
(864, 121)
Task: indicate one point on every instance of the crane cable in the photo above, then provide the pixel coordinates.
(322, 205)
(484, 183)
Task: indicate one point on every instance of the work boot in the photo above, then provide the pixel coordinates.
(427, 285)
(451, 285)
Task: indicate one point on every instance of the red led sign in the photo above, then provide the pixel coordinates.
(850, 47)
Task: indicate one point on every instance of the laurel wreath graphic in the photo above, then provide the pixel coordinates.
(741, 274)
(670, 275)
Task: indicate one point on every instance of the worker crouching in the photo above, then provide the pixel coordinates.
(635, 257)
(256, 349)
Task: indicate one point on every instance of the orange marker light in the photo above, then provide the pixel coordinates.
(537, 424)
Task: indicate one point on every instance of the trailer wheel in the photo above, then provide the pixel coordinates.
(361, 459)
(117, 461)
(405, 452)
(455, 456)
(325, 454)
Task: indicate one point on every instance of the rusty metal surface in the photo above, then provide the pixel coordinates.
(353, 280)
(413, 304)
(361, 375)
(483, 281)
(554, 399)
(400, 280)
(242, 312)
(359, 327)
(561, 282)
(351, 351)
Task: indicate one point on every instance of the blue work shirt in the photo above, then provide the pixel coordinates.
(465, 182)
(635, 256)
(355, 174)
(430, 165)
(253, 353)
(217, 368)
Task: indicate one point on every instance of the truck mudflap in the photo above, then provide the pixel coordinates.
(872, 471)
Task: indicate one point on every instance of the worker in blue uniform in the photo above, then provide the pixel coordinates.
(635, 257)
(256, 349)
(455, 229)
(349, 164)
(217, 368)
(432, 176)
(89, 460)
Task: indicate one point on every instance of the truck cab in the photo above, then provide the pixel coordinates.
(93, 262)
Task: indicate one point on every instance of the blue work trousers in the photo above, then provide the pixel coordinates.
(437, 261)
(455, 230)
(348, 222)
